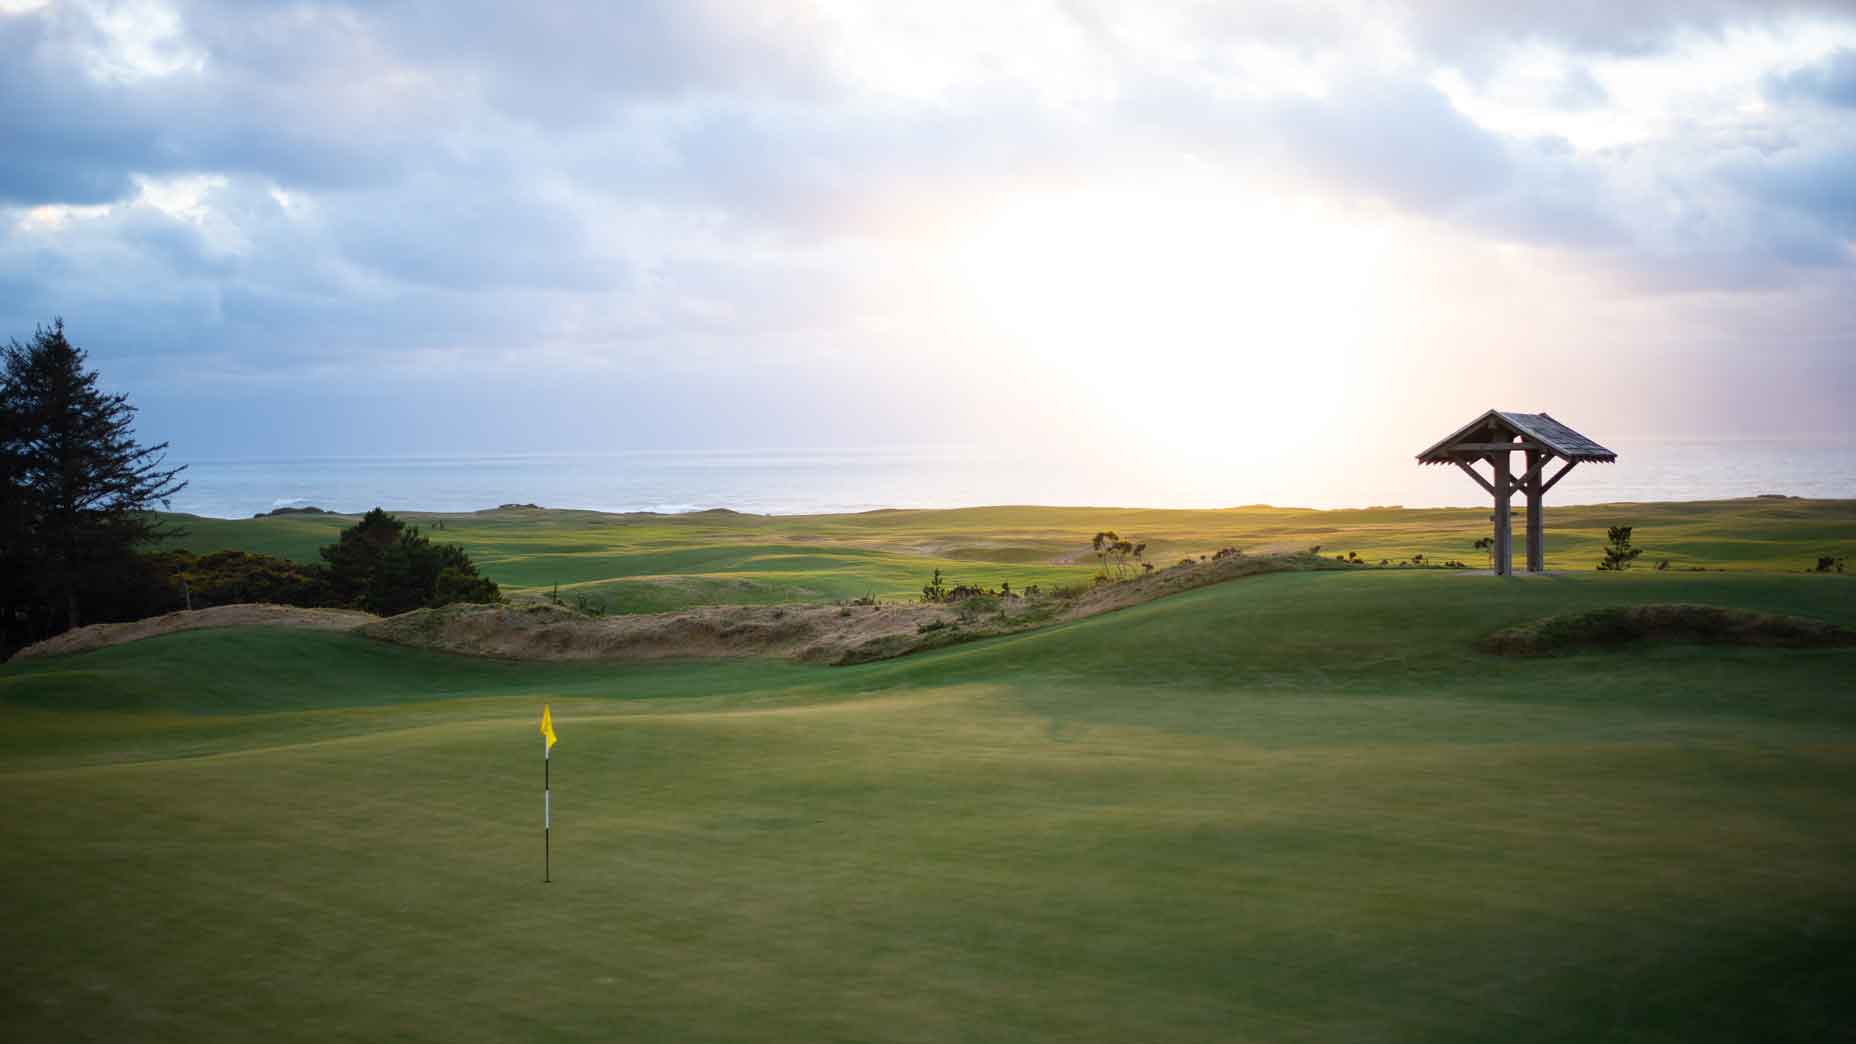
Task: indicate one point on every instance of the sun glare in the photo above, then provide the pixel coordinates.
(1194, 306)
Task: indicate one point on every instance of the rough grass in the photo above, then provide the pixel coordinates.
(1709, 624)
(1299, 807)
(657, 563)
(811, 634)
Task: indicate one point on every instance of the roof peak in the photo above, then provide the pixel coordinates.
(1538, 428)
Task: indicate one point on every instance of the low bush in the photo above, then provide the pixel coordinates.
(1706, 624)
(975, 606)
(230, 577)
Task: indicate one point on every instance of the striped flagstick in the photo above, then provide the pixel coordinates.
(547, 794)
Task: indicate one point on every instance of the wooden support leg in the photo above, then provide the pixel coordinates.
(1504, 529)
(1536, 517)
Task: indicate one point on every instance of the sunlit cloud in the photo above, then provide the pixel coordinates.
(1183, 226)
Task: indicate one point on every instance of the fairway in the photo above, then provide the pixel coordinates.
(643, 563)
(1294, 807)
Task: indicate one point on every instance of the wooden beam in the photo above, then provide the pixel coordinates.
(1536, 460)
(1479, 448)
(1471, 472)
(1504, 527)
(1562, 474)
(1536, 514)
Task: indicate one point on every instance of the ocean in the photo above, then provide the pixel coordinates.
(834, 480)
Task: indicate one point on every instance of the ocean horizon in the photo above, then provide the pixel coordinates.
(834, 481)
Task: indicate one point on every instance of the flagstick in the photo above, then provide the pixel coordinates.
(547, 816)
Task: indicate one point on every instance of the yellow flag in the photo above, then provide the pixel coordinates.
(547, 729)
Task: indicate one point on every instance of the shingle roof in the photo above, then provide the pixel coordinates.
(1562, 440)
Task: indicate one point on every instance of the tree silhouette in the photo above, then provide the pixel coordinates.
(79, 490)
(1618, 552)
(1115, 553)
(1487, 543)
(384, 566)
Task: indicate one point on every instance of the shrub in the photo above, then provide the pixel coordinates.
(227, 577)
(974, 606)
(386, 567)
(1614, 627)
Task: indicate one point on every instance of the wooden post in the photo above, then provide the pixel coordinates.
(1504, 529)
(1536, 515)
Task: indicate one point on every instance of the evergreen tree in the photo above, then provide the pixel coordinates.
(80, 490)
(1618, 552)
(384, 566)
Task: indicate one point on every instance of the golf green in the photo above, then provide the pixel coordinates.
(1296, 807)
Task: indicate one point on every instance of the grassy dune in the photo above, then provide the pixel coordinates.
(1297, 807)
(652, 563)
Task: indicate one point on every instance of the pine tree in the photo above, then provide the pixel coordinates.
(1618, 552)
(80, 490)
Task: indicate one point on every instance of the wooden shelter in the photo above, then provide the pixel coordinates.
(1493, 437)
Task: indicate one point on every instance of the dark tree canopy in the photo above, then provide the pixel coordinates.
(384, 566)
(79, 490)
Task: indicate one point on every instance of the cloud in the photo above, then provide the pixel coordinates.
(302, 191)
(1473, 33)
(558, 65)
(1400, 141)
(1831, 81)
(1818, 186)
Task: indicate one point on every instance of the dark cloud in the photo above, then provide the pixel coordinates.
(1831, 81)
(66, 142)
(1818, 186)
(1396, 140)
(298, 99)
(470, 231)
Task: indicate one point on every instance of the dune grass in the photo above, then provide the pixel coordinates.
(655, 563)
(1294, 807)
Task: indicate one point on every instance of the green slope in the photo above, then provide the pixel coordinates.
(1297, 807)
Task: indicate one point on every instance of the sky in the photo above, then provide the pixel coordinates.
(1275, 238)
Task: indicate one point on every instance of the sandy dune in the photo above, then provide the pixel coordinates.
(96, 636)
